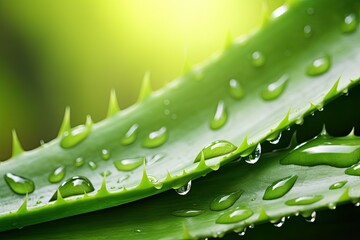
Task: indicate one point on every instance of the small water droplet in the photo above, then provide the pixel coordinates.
(153, 179)
(216, 149)
(307, 31)
(258, 59)
(279, 188)
(242, 233)
(353, 170)
(130, 135)
(332, 206)
(129, 164)
(157, 157)
(166, 112)
(311, 218)
(57, 175)
(310, 11)
(274, 138)
(349, 23)
(166, 102)
(106, 173)
(254, 156)
(252, 226)
(79, 162)
(77, 185)
(275, 89)
(305, 200)
(235, 216)
(92, 165)
(76, 135)
(18, 184)
(299, 121)
(184, 189)
(279, 222)
(156, 138)
(235, 89)
(220, 116)
(319, 66)
(224, 201)
(337, 185)
(187, 212)
(105, 154)
(357, 204)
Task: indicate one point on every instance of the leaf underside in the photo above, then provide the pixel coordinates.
(185, 107)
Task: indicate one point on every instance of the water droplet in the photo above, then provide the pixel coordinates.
(184, 189)
(235, 216)
(325, 150)
(216, 149)
(305, 200)
(187, 213)
(18, 184)
(274, 138)
(258, 59)
(157, 157)
(307, 31)
(220, 116)
(106, 173)
(337, 185)
(76, 135)
(254, 156)
(235, 89)
(166, 112)
(166, 102)
(105, 154)
(92, 165)
(357, 204)
(57, 175)
(279, 222)
(332, 206)
(353, 170)
(129, 164)
(252, 226)
(311, 218)
(279, 188)
(156, 138)
(79, 162)
(130, 135)
(319, 66)
(310, 11)
(77, 185)
(349, 24)
(275, 89)
(242, 233)
(225, 201)
(153, 179)
(299, 121)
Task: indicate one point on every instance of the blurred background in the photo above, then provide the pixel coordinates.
(55, 54)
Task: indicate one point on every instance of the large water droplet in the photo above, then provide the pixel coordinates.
(337, 185)
(349, 23)
(279, 222)
(319, 66)
(18, 184)
(129, 164)
(130, 135)
(325, 150)
(187, 212)
(275, 89)
(77, 185)
(235, 216)
(224, 201)
(305, 200)
(279, 188)
(274, 138)
(105, 154)
(76, 135)
(184, 189)
(220, 116)
(258, 59)
(216, 149)
(353, 170)
(156, 138)
(92, 165)
(79, 162)
(235, 89)
(57, 175)
(254, 156)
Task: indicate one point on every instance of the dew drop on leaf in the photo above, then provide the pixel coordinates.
(184, 189)
(76, 135)
(307, 31)
(349, 23)
(105, 154)
(337, 185)
(275, 89)
(77, 185)
(305, 200)
(18, 184)
(235, 216)
(235, 89)
(353, 170)
(129, 164)
(279, 222)
(57, 175)
(319, 66)
(92, 165)
(187, 212)
(310, 218)
(225, 201)
(258, 59)
(216, 149)
(220, 117)
(274, 138)
(156, 138)
(254, 156)
(79, 162)
(130, 135)
(279, 188)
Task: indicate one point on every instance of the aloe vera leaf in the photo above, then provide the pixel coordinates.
(192, 101)
(154, 217)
